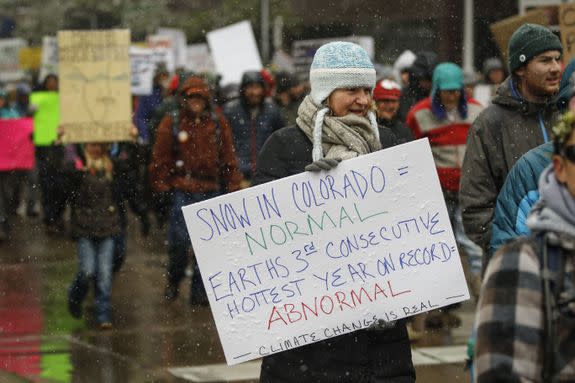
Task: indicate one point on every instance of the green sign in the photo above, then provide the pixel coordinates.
(46, 117)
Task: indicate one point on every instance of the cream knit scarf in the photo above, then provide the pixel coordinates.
(337, 137)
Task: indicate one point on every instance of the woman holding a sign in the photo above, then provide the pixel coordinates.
(335, 122)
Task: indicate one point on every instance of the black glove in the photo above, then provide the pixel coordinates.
(323, 164)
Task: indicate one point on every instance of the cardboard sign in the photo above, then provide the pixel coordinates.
(567, 26)
(16, 146)
(503, 29)
(95, 94)
(10, 59)
(316, 255)
(49, 57)
(304, 50)
(235, 51)
(46, 117)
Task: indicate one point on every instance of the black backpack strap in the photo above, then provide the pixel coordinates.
(552, 273)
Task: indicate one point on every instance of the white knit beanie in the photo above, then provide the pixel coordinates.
(338, 65)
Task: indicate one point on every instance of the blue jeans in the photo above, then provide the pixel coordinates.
(95, 262)
(179, 241)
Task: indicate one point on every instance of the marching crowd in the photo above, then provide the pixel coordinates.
(503, 147)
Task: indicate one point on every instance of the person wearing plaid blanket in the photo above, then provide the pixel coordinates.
(526, 312)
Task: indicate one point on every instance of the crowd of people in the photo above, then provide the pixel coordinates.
(503, 147)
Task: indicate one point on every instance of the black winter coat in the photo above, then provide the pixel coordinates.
(382, 356)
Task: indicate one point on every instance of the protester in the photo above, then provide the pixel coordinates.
(518, 120)
(335, 123)
(95, 221)
(525, 313)
(253, 119)
(287, 95)
(386, 96)
(401, 67)
(445, 118)
(419, 85)
(50, 162)
(148, 104)
(193, 159)
(10, 180)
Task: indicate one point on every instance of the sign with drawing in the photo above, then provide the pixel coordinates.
(95, 97)
(316, 255)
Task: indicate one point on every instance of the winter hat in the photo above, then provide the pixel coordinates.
(252, 77)
(424, 65)
(528, 41)
(403, 63)
(386, 90)
(492, 63)
(447, 76)
(284, 82)
(195, 85)
(339, 65)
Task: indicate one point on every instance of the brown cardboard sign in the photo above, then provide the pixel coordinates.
(503, 29)
(567, 25)
(95, 99)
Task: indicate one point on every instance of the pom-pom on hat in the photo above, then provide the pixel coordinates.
(339, 65)
(386, 90)
(528, 41)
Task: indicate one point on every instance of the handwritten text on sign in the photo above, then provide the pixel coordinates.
(318, 255)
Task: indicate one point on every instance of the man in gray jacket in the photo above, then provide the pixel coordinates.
(519, 119)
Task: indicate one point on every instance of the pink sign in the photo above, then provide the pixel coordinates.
(16, 146)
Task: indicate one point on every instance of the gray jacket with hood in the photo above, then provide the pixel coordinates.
(500, 135)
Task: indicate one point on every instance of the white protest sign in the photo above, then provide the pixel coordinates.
(180, 44)
(317, 255)
(49, 57)
(199, 59)
(9, 60)
(235, 51)
(142, 66)
(164, 44)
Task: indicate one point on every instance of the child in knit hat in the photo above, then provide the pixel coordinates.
(335, 122)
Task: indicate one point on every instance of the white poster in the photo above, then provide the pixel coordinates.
(317, 255)
(49, 57)
(235, 51)
(143, 67)
(199, 59)
(164, 44)
(180, 44)
(9, 59)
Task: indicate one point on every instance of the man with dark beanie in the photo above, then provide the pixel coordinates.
(519, 119)
(253, 119)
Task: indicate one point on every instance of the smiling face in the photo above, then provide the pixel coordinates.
(350, 101)
(540, 78)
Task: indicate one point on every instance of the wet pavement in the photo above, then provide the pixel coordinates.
(151, 341)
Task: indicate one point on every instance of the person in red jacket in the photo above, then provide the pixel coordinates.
(445, 118)
(193, 158)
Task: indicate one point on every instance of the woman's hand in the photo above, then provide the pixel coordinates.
(323, 164)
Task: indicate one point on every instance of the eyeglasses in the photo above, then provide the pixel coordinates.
(569, 153)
